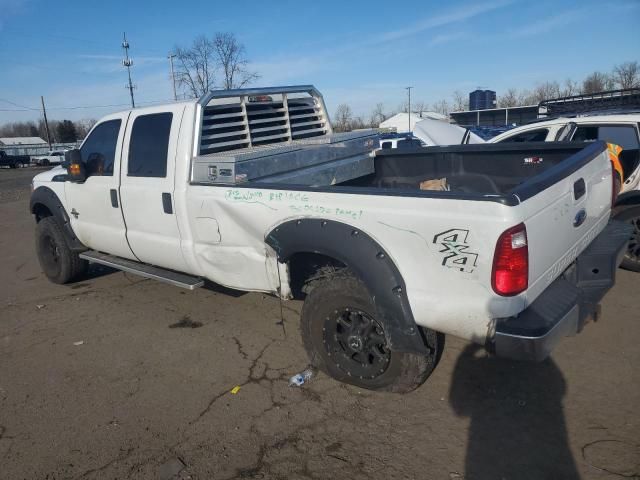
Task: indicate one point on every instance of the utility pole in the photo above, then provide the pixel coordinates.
(409, 91)
(46, 122)
(127, 62)
(173, 76)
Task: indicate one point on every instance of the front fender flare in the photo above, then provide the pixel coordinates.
(367, 259)
(47, 197)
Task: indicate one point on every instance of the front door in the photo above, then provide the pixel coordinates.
(94, 205)
(147, 186)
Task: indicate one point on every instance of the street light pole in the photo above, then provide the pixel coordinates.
(173, 76)
(409, 91)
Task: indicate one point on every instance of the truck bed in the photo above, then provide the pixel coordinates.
(474, 169)
(504, 173)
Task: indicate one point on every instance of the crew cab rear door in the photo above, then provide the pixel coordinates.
(147, 185)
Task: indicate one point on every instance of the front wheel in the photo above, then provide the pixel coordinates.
(631, 260)
(58, 262)
(345, 340)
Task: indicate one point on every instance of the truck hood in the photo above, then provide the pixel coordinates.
(437, 132)
(47, 176)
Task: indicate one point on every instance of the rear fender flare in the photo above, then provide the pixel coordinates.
(367, 259)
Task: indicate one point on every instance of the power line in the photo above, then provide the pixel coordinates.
(18, 105)
(79, 107)
(80, 41)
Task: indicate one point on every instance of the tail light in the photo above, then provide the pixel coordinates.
(616, 184)
(510, 274)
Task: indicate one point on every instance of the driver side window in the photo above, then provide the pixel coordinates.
(99, 150)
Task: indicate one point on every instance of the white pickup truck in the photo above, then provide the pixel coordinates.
(252, 190)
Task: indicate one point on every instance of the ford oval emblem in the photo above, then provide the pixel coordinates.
(580, 217)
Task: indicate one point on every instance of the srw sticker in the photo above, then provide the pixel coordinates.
(456, 250)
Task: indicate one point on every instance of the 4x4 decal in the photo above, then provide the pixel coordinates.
(456, 250)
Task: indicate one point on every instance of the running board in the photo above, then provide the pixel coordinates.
(143, 270)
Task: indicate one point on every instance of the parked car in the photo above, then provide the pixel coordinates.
(13, 161)
(267, 198)
(621, 129)
(52, 158)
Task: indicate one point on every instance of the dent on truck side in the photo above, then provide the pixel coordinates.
(45, 202)
(367, 259)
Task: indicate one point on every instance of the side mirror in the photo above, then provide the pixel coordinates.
(75, 167)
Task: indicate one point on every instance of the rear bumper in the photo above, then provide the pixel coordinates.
(568, 303)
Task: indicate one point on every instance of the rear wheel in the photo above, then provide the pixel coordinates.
(344, 338)
(19, 164)
(631, 260)
(45, 163)
(58, 262)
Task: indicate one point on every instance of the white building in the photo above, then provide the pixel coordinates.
(23, 145)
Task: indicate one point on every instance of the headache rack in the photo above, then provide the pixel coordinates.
(251, 117)
(276, 135)
(611, 101)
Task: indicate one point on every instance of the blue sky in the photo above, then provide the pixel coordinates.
(359, 53)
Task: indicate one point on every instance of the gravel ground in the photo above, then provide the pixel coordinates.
(119, 377)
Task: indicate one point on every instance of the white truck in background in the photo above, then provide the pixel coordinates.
(622, 129)
(252, 190)
(53, 157)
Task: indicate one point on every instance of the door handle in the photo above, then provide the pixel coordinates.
(166, 203)
(114, 197)
(579, 189)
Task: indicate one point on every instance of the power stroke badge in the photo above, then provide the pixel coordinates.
(456, 250)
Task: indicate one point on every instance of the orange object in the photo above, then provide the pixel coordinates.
(614, 155)
(74, 169)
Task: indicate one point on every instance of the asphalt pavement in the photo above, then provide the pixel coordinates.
(120, 377)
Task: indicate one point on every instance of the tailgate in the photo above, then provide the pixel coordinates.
(565, 208)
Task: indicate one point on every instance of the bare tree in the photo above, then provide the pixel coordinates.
(195, 71)
(357, 123)
(343, 118)
(403, 107)
(627, 75)
(525, 97)
(571, 87)
(509, 99)
(460, 101)
(377, 115)
(419, 107)
(19, 129)
(545, 91)
(597, 82)
(441, 106)
(232, 61)
(84, 126)
(210, 63)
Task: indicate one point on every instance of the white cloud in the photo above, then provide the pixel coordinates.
(550, 23)
(460, 14)
(447, 38)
